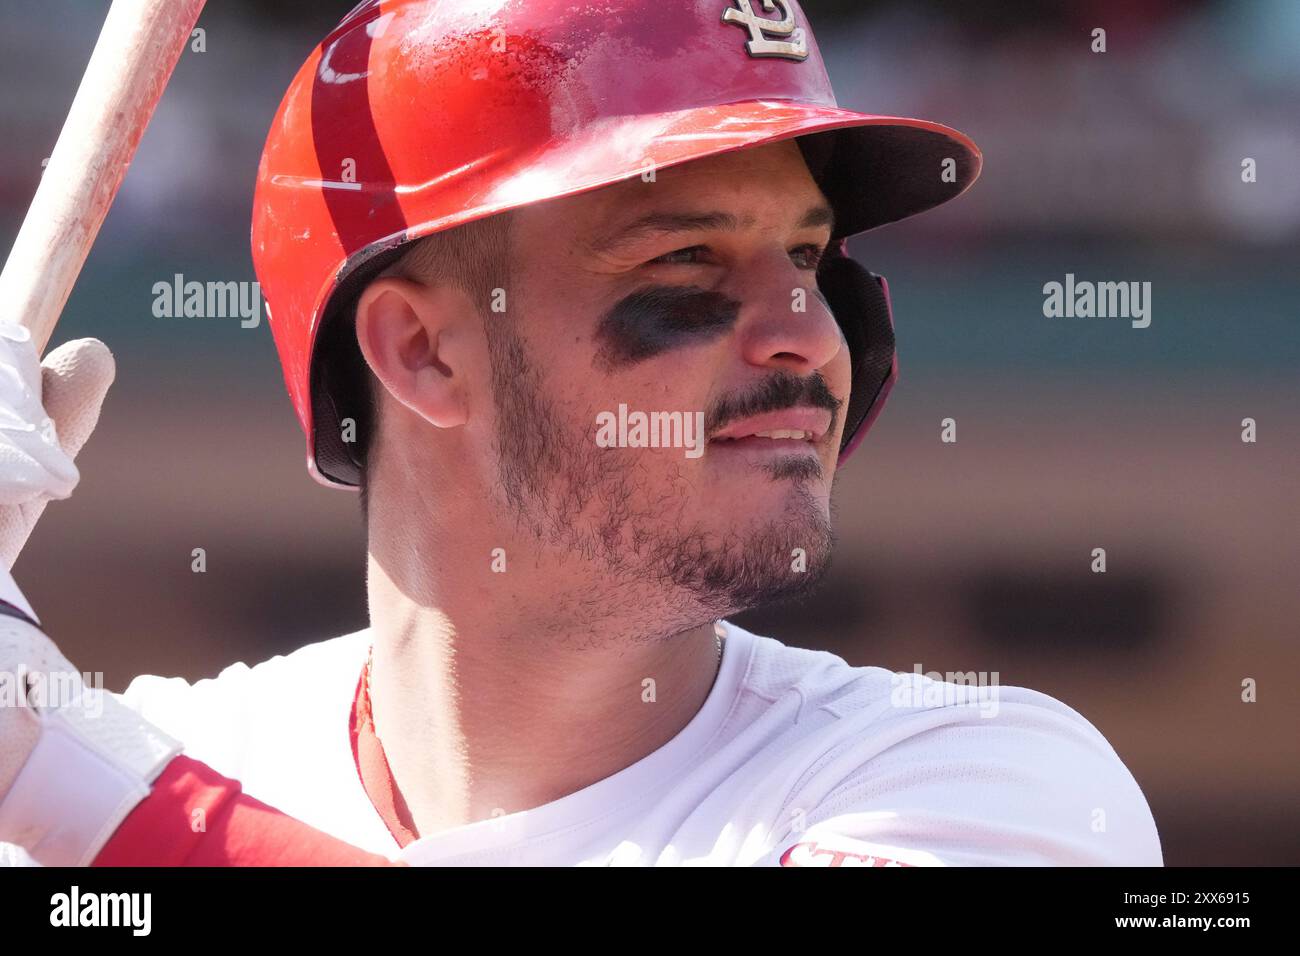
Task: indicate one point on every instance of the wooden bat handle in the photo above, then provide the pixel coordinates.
(132, 62)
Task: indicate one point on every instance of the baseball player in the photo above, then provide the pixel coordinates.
(563, 291)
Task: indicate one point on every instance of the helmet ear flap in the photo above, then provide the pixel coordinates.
(859, 300)
(340, 379)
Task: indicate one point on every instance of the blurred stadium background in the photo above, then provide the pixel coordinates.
(1073, 433)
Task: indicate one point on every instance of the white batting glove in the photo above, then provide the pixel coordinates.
(47, 411)
(74, 760)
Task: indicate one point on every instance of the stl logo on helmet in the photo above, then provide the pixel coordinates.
(760, 43)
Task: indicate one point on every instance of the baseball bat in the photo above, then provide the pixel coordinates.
(133, 59)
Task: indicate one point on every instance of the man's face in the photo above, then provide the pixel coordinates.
(694, 293)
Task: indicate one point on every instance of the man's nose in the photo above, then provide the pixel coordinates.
(783, 322)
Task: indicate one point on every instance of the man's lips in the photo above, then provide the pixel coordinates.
(787, 427)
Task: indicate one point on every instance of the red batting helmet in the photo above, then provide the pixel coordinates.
(415, 116)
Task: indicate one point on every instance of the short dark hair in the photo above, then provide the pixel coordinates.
(474, 256)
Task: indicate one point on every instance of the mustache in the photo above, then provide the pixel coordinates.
(779, 392)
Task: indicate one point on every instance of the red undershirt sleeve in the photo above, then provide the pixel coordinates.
(196, 817)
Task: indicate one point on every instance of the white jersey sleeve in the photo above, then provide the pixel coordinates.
(1012, 777)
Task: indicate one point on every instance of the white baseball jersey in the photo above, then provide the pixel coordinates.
(796, 759)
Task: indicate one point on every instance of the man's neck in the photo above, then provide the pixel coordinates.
(479, 718)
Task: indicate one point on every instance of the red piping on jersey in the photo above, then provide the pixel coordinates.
(372, 766)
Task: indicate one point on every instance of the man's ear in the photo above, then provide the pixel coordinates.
(411, 335)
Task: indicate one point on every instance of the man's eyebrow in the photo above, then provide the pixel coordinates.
(666, 223)
(820, 215)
